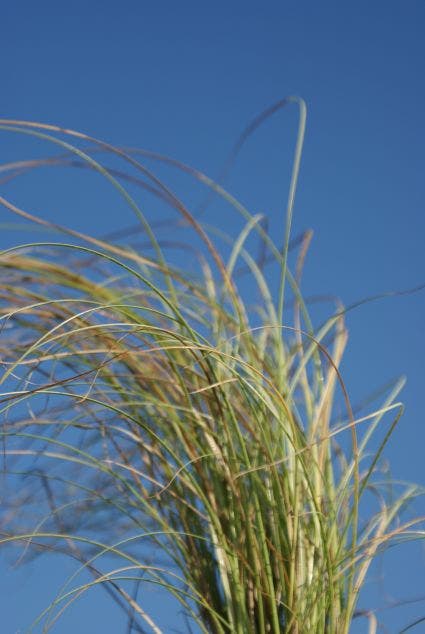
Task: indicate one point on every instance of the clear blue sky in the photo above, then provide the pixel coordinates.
(184, 78)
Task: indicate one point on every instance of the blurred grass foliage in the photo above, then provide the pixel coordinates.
(162, 429)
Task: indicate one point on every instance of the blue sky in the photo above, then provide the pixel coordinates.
(184, 78)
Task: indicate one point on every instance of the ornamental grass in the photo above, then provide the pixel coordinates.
(178, 420)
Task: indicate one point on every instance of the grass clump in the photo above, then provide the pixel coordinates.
(169, 434)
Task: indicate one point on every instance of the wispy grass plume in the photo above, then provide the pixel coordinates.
(166, 431)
